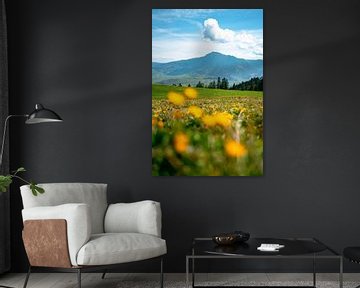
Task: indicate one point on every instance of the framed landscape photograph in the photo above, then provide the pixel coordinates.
(207, 92)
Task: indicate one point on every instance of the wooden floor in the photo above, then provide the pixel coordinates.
(114, 280)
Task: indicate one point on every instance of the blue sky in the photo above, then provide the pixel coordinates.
(187, 33)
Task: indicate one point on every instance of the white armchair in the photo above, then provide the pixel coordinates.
(72, 228)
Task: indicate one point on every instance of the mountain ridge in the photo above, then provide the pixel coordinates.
(205, 69)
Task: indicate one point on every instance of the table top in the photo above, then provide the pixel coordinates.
(293, 247)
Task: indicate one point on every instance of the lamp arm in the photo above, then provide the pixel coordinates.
(4, 134)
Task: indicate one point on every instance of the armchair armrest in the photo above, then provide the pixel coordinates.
(138, 217)
(77, 217)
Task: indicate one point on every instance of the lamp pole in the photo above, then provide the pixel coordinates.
(4, 134)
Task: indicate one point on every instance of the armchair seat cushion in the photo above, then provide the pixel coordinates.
(114, 248)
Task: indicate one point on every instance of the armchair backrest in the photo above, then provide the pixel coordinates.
(55, 194)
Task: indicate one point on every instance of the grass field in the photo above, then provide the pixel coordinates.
(206, 132)
(161, 91)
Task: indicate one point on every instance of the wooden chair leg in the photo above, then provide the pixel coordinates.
(27, 277)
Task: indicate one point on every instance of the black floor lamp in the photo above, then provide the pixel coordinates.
(39, 115)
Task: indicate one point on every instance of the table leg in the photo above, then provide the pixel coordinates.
(187, 272)
(341, 273)
(314, 271)
(193, 267)
(193, 272)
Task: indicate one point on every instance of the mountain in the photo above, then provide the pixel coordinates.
(206, 69)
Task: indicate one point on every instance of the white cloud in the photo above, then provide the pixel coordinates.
(249, 43)
(213, 32)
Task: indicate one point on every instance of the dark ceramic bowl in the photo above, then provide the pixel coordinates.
(225, 239)
(231, 238)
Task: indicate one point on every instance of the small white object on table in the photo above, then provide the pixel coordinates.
(270, 247)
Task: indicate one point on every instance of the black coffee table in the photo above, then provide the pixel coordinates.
(295, 248)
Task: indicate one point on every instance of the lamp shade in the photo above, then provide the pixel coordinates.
(42, 115)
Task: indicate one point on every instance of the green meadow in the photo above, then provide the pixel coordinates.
(160, 91)
(206, 132)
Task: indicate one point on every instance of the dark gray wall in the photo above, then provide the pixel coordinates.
(4, 166)
(90, 61)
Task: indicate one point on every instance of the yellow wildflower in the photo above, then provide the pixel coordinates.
(160, 124)
(181, 142)
(235, 149)
(176, 98)
(190, 93)
(195, 111)
(209, 120)
(223, 119)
